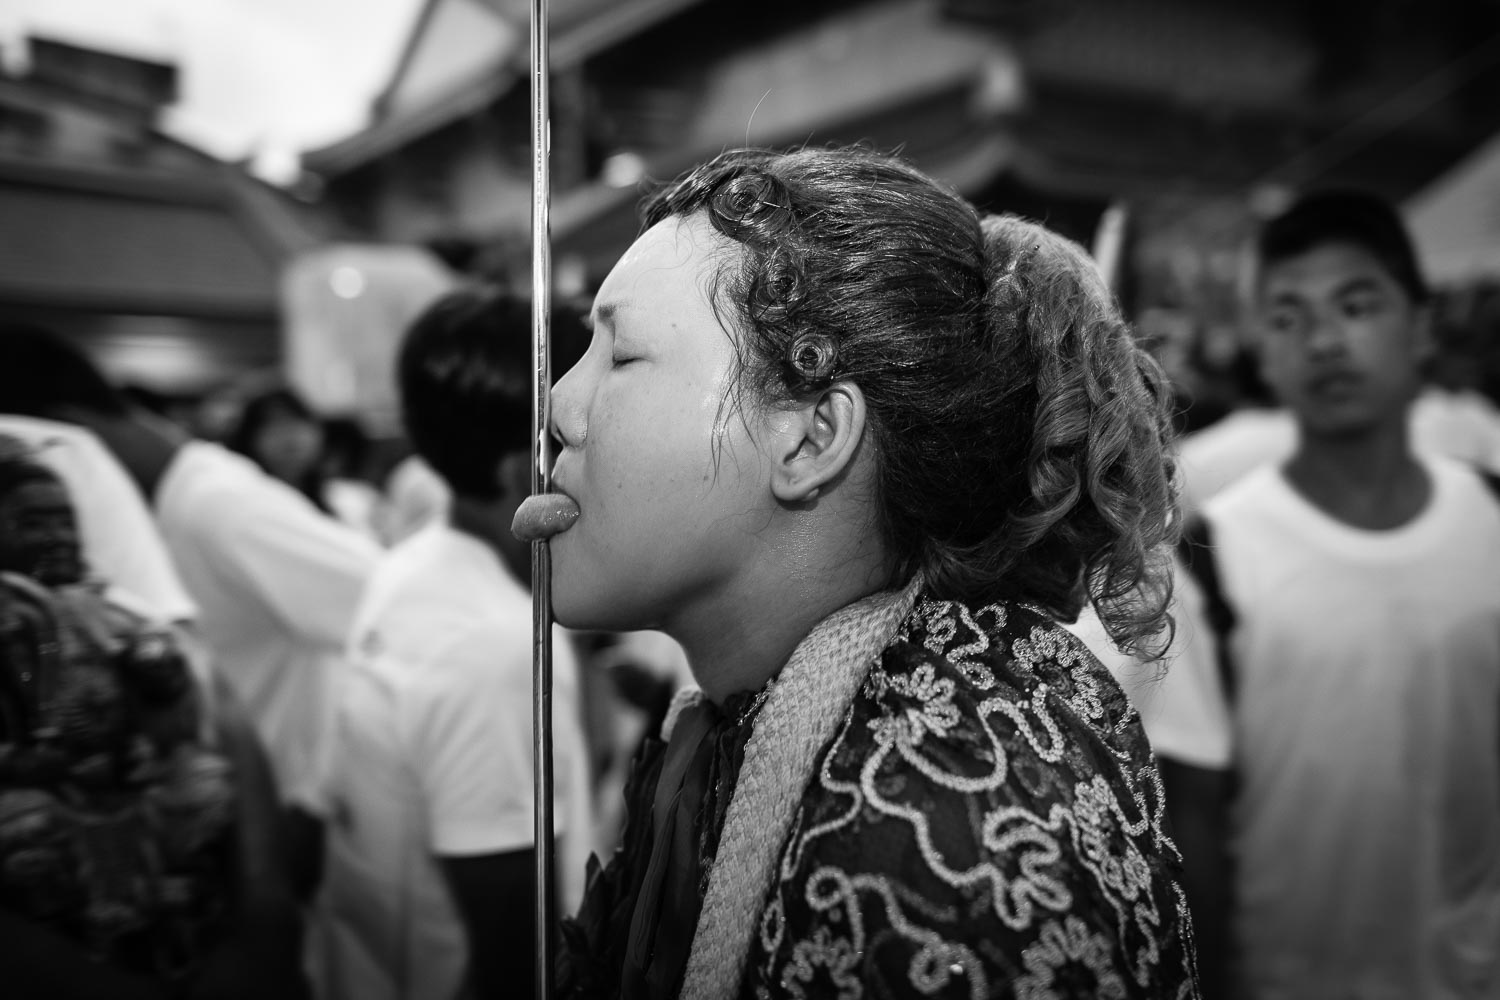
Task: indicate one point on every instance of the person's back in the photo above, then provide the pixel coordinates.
(430, 783)
(1359, 584)
(434, 752)
(276, 582)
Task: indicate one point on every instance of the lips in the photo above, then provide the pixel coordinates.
(1334, 384)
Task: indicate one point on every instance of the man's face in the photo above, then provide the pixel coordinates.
(1340, 341)
(39, 533)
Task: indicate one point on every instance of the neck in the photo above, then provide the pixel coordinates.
(1370, 481)
(489, 521)
(741, 638)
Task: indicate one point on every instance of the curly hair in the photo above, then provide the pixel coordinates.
(1021, 435)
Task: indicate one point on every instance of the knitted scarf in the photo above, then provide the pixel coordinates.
(803, 709)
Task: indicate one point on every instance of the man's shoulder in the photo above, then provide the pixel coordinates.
(1248, 495)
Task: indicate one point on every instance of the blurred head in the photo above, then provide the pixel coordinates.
(281, 433)
(43, 374)
(1343, 329)
(38, 529)
(1008, 434)
(464, 373)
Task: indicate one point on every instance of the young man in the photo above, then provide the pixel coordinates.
(429, 872)
(275, 580)
(1356, 596)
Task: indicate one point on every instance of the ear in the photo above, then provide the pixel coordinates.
(816, 443)
(514, 473)
(1424, 341)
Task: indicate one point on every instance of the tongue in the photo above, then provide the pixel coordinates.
(543, 515)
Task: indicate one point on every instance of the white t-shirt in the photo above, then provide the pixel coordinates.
(433, 758)
(276, 582)
(1367, 742)
(1179, 699)
(120, 541)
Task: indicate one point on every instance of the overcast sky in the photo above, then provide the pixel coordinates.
(257, 78)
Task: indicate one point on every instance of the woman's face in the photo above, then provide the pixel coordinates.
(667, 475)
(288, 445)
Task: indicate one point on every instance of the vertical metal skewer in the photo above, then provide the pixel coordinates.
(541, 468)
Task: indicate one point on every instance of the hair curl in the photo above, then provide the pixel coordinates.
(1021, 435)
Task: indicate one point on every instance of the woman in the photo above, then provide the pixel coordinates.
(285, 438)
(858, 449)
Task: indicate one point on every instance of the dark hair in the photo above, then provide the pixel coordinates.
(1365, 220)
(465, 377)
(1020, 433)
(259, 410)
(41, 371)
(19, 465)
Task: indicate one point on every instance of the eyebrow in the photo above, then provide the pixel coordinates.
(1351, 287)
(1361, 284)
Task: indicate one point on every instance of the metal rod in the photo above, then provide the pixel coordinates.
(541, 469)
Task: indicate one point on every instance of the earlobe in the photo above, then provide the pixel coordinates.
(1426, 341)
(818, 443)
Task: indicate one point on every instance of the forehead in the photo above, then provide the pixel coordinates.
(668, 272)
(1324, 271)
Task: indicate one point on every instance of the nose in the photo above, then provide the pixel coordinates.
(1326, 337)
(568, 420)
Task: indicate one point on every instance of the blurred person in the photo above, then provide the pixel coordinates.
(1460, 424)
(138, 853)
(115, 526)
(275, 580)
(430, 853)
(1351, 610)
(342, 479)
(858, 449)
(281, 434)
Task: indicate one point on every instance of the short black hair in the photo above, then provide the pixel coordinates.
(41, 371)
(464, 373)
(1365, 220)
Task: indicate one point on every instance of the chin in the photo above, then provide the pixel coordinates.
(589, 612)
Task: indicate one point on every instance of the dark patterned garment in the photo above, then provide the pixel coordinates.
(987, 822)
(114, 815)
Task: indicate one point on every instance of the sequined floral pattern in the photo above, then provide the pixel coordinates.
(988, 822)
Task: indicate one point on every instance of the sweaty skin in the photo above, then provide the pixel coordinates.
(543, 515)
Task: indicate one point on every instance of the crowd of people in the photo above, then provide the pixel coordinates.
(902, 651)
